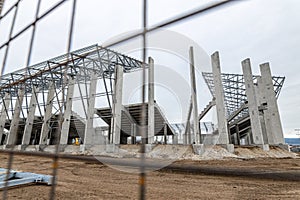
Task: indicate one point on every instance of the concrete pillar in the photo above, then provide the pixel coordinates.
(197, 132)
(133, 133)
(256, 128)
(47, 115)
(238, 138)
(189, 141)
(220, 102)
(267, 135)
(30, 117)
(272, 113)
(67, 114)
(117, 105)
(165, 133)
(175, 139)
(89, 129)
(13, 131)
(4, 110)
(151, 121)
(187, 131)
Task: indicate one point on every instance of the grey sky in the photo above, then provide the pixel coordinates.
(264, 30)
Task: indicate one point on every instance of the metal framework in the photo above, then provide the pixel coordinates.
(79, 64)
(16, 178)
(235, 92)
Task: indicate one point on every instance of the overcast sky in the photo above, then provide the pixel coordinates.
(262, 30)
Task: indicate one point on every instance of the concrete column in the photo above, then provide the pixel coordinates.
(47, 115)
(67, 114)
(30, 117)
(89, 129)
(266, 131)
(151, 121)
(117, 105)
(220, 102)
(272, 113)
(197, 133)
(238, 139)
(252, 103)
(165, 133)
(13, 131)
(175, 139)
(133, 133)
(4, 110)
(187, 131)
(189, 141)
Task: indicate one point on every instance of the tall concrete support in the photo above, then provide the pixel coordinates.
(117, 105)
(220, 103)
(47, 115)
(256, 127)
(272, 114)
(133, 133)
(259, 89)
(67, 114)
(165, 133)
(89, 129)
(151, 121)
(13, 131)
(30, 117)
(197, 133)
(3, 116)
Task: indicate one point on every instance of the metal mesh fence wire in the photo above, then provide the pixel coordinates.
(143, 32)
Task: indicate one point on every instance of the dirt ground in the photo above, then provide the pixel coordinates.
(87, 180)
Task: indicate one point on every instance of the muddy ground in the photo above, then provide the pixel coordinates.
(89, 180)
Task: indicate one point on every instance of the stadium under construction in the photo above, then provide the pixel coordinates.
(37, 105)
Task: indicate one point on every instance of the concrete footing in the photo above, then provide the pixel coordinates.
(111, 148)
(228, 147)
(149, 147)
(199, 149)
(22, 147)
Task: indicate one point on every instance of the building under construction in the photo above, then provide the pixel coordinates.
(37, 105)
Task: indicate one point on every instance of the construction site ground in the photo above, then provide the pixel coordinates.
(93, 180)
